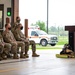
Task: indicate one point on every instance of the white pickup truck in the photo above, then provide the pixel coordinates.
(42, 38)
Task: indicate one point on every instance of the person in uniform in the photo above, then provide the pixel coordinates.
(1, 51)
(5, 48)
(19, 36)
(13, 27)
(9, 38)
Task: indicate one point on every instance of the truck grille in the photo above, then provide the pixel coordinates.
(54, 38)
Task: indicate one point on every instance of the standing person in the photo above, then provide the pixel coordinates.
(9, 38)
(21, 37)
(15, 24)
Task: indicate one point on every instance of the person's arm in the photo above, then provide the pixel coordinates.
(23, 35)
(7, 38)
(1, 47)
(17, 36)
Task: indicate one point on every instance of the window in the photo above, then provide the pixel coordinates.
(1, 16)
(33, 33)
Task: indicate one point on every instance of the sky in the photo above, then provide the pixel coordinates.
(61, 12)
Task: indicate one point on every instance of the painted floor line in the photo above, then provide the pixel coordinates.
(7, 70)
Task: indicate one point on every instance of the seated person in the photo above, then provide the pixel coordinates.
(21, 37)
(1, 51)
(9, 38)
(5, 48)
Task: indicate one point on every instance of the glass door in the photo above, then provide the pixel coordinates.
(0, 19)
(1, 16)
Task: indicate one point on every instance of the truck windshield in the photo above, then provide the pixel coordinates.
(40, 32)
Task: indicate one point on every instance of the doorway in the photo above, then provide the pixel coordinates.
(1, 16)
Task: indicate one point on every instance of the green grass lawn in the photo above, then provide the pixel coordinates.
(49, 47)
(61, 41)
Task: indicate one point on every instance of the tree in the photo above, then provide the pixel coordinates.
(41, 24)
(59, 30)
(53, 29)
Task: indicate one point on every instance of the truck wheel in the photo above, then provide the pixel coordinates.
(43, 42)
(52, 44)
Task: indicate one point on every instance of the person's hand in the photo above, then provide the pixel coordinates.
(27, 41)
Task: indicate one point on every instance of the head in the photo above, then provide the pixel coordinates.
(19, 26)
(18, 19)
(7, 26)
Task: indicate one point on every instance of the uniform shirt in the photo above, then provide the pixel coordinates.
(1, 41)
(1, 44)
(8, 37)
(19, 35)
(14, 26)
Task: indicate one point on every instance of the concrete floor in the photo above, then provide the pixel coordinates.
(46, 64)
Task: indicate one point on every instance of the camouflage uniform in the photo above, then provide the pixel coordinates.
(1, 51)
(14, 26)
(21, 37)
(4, 47)
(9, 38)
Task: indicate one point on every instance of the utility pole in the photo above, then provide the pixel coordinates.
(47, 13)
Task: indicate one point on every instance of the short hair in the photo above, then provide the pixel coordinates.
(6, 24)
(17, 17)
